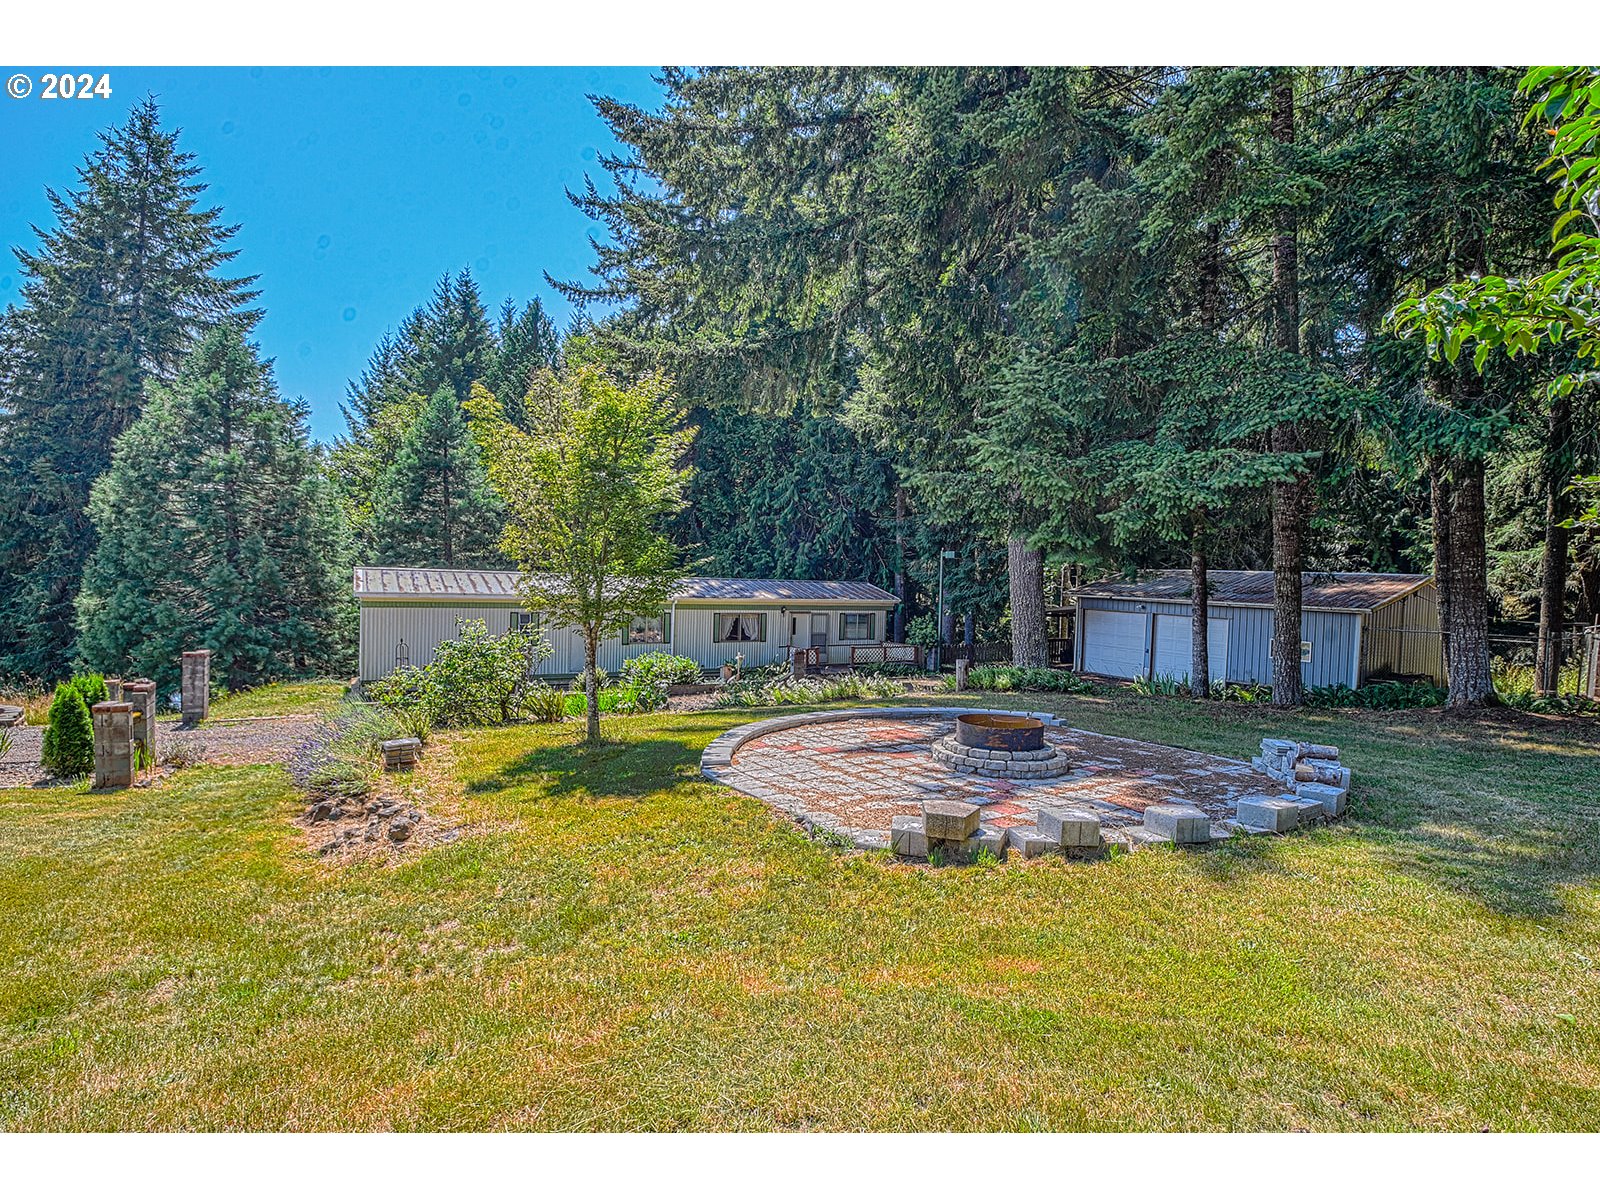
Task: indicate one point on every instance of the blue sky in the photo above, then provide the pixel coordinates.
(355, 188)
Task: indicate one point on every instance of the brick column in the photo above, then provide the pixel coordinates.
(113, 744)
(141, 696)
(797, 661)
(114, 690)
(196, 686)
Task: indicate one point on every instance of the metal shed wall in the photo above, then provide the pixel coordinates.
(1403, 637)
(1335, 638)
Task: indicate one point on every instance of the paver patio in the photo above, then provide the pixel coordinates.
(865, 771)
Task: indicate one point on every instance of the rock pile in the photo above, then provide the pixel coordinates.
(372, 821)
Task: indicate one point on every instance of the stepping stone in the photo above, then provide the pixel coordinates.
(1269, 814)
(949, 820)
(1180, 823)
(1031, 843)
(1071, 828)
(906, 837)
(1332, 799)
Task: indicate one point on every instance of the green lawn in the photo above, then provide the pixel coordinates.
(622, 945)
(317, 696)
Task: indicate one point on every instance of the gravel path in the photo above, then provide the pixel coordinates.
(253, 740)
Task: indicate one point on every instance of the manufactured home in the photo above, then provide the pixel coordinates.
(1354, 626)
(407, 611)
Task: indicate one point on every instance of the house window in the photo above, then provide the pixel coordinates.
(650, 631)
(532, 622)
(740, 626)
(858, 627)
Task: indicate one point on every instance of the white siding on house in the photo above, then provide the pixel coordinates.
(424, 625)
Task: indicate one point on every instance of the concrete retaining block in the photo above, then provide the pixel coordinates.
(1332, 799)
(1031, 843)
(949, 820)
(906, 837)
(1072, 828)
(1180, 823)
(1270, 814)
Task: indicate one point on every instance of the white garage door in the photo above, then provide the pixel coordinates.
(1114, 643)
(1175, 649)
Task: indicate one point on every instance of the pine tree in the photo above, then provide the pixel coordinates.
(68, 748)
(217, 529)
(114, 296)
(434, 506)
(527, 344)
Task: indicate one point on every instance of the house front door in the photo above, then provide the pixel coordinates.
(819, 629)
(799, 630)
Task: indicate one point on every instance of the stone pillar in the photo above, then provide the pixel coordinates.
(961, 674)
(797, 663)
(113, 744)
(114, 690)
(140, 694)
(196, 686)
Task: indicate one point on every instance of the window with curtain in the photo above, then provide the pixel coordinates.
(649, 631)
(740, 626)
(858, 627)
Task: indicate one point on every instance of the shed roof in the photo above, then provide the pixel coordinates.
(439, 583)
(1335, 591)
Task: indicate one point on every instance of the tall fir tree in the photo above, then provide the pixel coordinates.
(216, 530)
(434, 506)
(527, 343)
(118, 291)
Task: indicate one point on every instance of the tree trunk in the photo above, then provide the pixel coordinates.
(1468, 582)
(1558, 470)
(591, 684)
(899, 564)
(1200, 621)
(1029, 645)
(1289, 500)
(1439, 503)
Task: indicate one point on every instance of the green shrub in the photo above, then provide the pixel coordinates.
(1161, 685)
(1002, 678)
(922, 632)
(663, 668)
(340, 758)
(810, 689)
(92, 688)
(1383, 694)
(576, 701)
(69, 741)
(545, 704)
(474, 679)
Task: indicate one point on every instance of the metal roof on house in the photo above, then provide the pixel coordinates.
(440, 583)
(1337, 591)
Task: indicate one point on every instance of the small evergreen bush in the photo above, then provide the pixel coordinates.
(1000, 678)
(69, 741)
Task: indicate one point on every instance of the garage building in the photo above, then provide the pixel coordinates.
(1355, 626)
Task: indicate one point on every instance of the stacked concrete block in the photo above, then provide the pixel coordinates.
(1031, 843)
(1307, 770)
(949, 820)
(1268, 814)
(141, 694)
(196, 686)
(1331, 799)
(400, 754)
(1182, 824)
(114, 690)
(113, 744)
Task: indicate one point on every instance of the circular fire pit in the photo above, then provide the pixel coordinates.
(1011, 747)
(988, 731)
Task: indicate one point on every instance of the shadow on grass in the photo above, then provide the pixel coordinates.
(616, 767)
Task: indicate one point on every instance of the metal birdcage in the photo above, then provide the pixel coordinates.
(402, 655)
